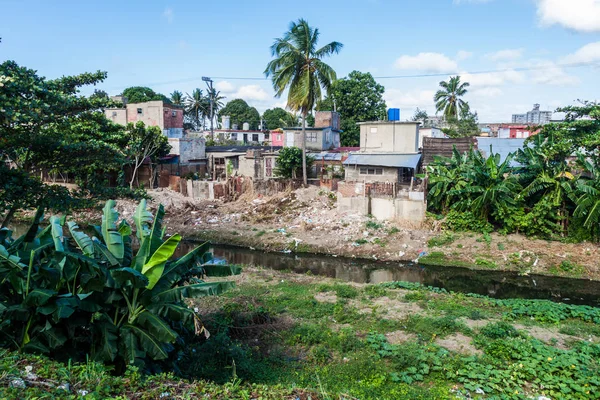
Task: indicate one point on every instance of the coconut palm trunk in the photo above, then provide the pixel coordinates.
(303, 138)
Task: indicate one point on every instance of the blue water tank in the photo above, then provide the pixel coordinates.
(394, 114)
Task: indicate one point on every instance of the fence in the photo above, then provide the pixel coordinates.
(234, 187)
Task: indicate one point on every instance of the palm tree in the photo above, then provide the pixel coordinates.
(177, 98)
(217, 102)
(195, 107)
(298, 67)
(448, 99)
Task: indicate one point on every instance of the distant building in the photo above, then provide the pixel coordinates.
(167, 117)
(534, 116)
(325, 135)
(515, 132)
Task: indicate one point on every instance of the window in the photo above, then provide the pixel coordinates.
(140, 111)
(266, 136)
(405, 174)
(173, 113)
(373, 129)
(371, 171)
(234, 136)
(255, 137)
(114, 114)
(311, 137)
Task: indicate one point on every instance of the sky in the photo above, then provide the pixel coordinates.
(532, 51)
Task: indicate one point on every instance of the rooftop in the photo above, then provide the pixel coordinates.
(384, 160)
(389, 123)
(239, 149)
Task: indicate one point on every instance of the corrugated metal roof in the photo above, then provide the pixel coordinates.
(327, 156)
(384, 160)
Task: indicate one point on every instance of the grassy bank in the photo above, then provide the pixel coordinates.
(282, 335)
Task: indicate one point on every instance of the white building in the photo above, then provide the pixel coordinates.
(534, 116)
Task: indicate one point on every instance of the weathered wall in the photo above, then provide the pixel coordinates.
(235, 187)
(389, 137)
(151, 113)
(352, 173)
(116, 115)
(188, 148)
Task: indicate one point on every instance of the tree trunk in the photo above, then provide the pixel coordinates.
(303, 138)
(9, 216)
(133, 175)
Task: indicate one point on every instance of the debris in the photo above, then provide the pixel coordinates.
(17, 383)
(64, 386)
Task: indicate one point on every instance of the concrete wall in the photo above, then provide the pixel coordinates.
(316, 139)
(384, 209)
(116, 115)
(389, 137)
(151, 113)
(499, 145)
(188, 148)
(326, 119)
(258, 168)
(352, 174)
(429, 132)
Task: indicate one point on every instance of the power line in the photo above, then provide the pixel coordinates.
(490, 71)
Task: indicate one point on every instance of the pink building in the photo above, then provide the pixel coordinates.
(277, 138)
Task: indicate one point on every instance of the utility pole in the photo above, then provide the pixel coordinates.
(209, 83)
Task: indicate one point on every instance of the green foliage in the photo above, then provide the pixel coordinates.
(373, 225)
(240, 112)
(482, 262)
(358, 98)
(429, 328)
(145, 143)
(465, 125)
(74, 296)
(289, 162)
(278, 118)
(47, 124)
(448, 98)
(499, 330)
(442, 240)
(141, 94)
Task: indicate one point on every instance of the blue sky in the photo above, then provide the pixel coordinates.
(169, 45)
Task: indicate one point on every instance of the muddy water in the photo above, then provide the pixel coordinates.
(498, 284)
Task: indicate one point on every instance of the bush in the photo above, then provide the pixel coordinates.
(75, 296)
(462, 221)
(499, 330)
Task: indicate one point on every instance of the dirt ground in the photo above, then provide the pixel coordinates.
(307, 220)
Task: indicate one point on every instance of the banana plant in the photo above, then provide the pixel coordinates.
(97, 295)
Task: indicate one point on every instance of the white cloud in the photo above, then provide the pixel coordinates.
(588, 53)
(579, 15)
(429, 62)
(409, 99)
(504, 55)
(463, 55)
(168, 14)
(225, 86)
(491, 79)
(549, 73)
(486, 92)
(251, 92)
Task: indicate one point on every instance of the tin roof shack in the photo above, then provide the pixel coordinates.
(393, 168)
(258, 164)
(325, 135)
(220, 156)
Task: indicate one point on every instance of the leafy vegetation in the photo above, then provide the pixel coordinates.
(549, 189)
(79, 296)
(289, 162)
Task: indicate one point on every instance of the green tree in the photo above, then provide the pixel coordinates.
(298, 67)
(289, 162)
(141, 94)
(358, 98)
(145, 143)
(420, 116)
(465, 126)
(196, 109)
(99, 94)
(448, 100)
(177, 98)
(273, 118)
(241, 112)
(36, 123)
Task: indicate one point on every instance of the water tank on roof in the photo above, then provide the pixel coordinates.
(394, 114)
(246, 126)
(226, 121)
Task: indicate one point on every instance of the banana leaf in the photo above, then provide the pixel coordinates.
(57, 233)
(157, 327)
(112, 238)
(148, 343)
(142, 218)
(154, 268)
(191, 291)
(157, 229)
(84, 242)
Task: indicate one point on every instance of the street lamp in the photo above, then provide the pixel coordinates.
(209, 83)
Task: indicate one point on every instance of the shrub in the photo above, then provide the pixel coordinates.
(499, 330)
(441, 240)
(77, 296)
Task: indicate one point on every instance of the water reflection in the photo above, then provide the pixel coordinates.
(498, 284)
